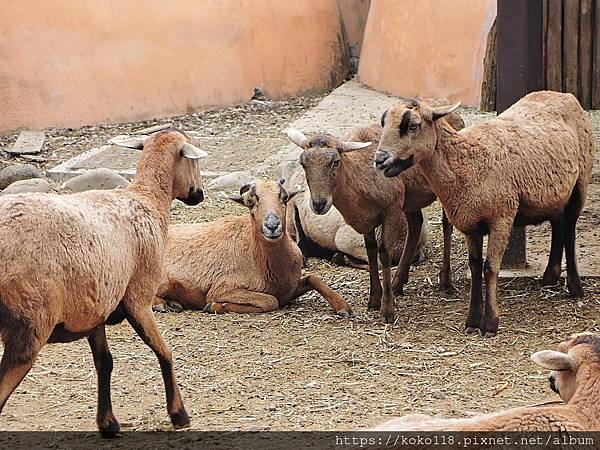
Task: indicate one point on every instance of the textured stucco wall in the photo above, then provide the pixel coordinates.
(69, 63)
(427, 48)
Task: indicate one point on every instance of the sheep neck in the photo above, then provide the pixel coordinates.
(272, 255)
(443, 168)
(154, 182)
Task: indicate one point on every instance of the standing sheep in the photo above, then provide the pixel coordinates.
(530, 164)
(346, 179)
(243, 264)
(575, 370)
(70, 264)
(329, 236)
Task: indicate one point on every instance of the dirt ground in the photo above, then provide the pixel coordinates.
(302, 368)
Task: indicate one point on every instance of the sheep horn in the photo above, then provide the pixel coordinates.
(553, 360)
(441, 111)
(349, 146)
(297, 137)
(191, 152)
(130, 142)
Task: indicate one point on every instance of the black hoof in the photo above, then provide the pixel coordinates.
(576, 292)
(388, 317)
(419, 258)
(180, 419)
(489, 334)
(160, 309)
(208, 308)
(398, 291)
(345, 313)
(110, 429)
(338, 259)
(471, 330)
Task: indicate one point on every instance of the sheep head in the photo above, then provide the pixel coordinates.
(267, 202)
(565, 364)
(321, 162)
(187, 180)
(409, 133)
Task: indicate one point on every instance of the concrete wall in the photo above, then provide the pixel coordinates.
(427, 48)
(69, 63)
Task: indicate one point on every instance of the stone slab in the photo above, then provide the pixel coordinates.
(28, 142)
(120, 159)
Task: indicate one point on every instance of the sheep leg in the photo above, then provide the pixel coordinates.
(475, 245)
(107, 423)
(446, 271)
(572, 211)
(497, 242)
(142, 320)
(11, 375)
(374, 284)
(553, 269)
(313, 282)
(20, 351)
(414, 222)
(388, 306)
(241, 301)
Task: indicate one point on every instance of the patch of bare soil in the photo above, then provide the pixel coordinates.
(302, 368)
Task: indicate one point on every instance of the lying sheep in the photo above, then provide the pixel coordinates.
(346, 179)
(530, 164)
(328, 236)
(71, 264)
(243, 264)
(575, 372)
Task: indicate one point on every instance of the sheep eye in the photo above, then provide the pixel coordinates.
(336, 164)
(414, 126)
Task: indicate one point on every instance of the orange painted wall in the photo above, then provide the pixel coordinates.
(74, 62)
(428, 48)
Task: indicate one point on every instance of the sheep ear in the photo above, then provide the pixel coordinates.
(349, 146)
(297, 137)
(553, 360)
(441, 111)
(130, 142)
(235, 198)
(191, 152)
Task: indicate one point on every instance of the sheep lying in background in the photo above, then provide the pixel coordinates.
(243, 264)
(328, 236)
(69, 264)
(530, 164)
(575, 373)
(339, 176)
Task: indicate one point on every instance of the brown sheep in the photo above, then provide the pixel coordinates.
(530, 164)
(347, 180)
(70, 264)
(329, 236)
(243, 264)
(575, 373)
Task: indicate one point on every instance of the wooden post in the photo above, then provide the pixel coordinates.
(570, 46)
(585, 53)
(488, 85)
(519, 34)
(554, 46)
(596, 57)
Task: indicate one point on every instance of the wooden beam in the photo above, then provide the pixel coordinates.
(596, 57)
(585, 53)
(554, 60)
(570, 46)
